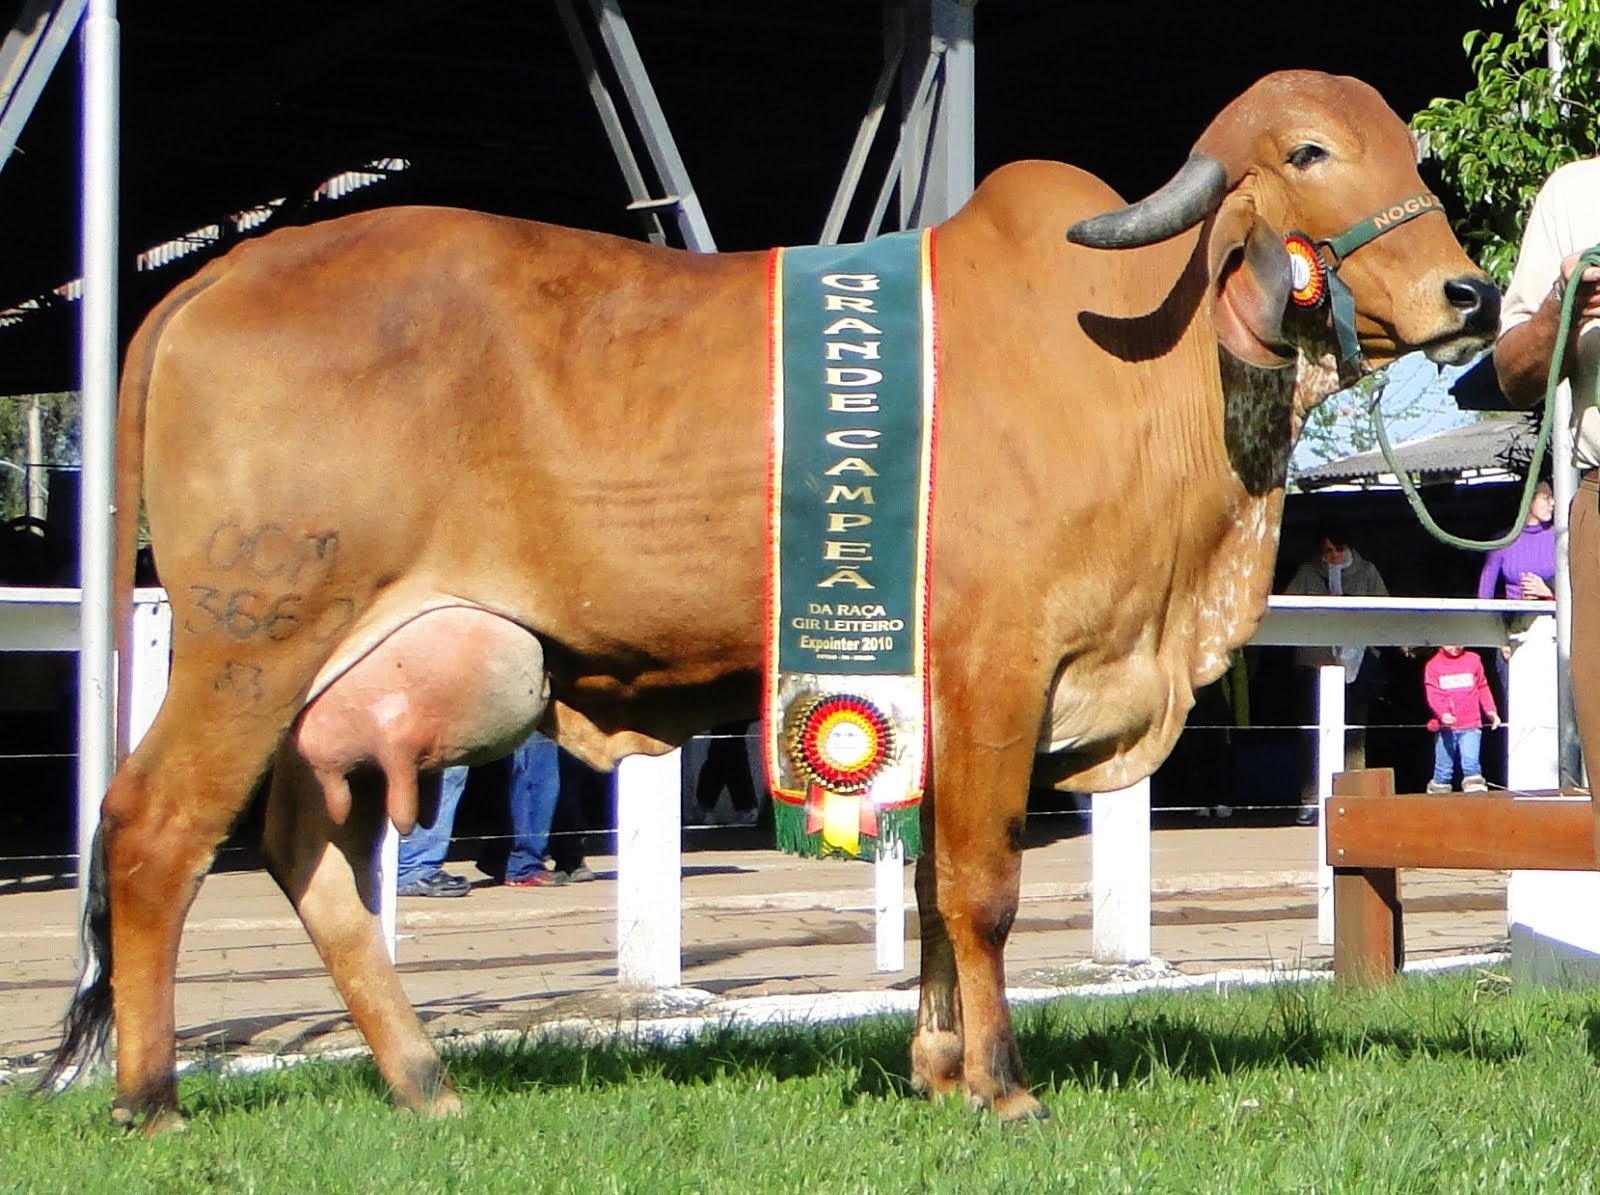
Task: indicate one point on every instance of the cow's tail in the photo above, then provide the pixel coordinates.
(87, 1025)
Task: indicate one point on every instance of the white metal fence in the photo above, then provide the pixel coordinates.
(649, 805)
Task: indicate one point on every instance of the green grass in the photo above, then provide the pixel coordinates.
(1435, 1085)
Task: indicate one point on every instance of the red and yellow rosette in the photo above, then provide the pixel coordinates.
(840, 743)
(1307, 283)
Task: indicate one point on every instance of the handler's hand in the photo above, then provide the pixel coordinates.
(1448, 719)
(1494, 721)
(1588, 300)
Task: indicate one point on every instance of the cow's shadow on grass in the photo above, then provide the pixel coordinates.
(1088, 1044)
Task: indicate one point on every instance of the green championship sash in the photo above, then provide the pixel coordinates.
(846, 695)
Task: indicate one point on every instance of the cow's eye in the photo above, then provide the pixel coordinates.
(1302, 156)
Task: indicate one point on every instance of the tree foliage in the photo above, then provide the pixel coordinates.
(1342, 426)
(1498, 143)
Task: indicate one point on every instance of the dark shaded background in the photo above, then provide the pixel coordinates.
(227, 106)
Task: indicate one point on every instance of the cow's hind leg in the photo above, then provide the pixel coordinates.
(328, 870)
(167, 809)
(982, 764)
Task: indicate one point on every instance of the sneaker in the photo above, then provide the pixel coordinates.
(580, 874)
(539, 879)
(1435, 787)
(436, 883)
(1307, 816)
(1474, 784)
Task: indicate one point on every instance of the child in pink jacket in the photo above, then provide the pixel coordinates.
(1458, 694)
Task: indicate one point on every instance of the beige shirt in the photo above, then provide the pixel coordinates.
(1565, 219)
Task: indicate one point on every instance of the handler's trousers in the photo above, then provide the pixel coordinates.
(1583, 562)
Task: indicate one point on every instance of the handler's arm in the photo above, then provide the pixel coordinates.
(1522, 354)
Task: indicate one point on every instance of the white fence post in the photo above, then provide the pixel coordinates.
(1330, 760)
(649, 872)
(889, 892)
(1550, 915)
(1119, 857)
(152, 663)
(388, 875)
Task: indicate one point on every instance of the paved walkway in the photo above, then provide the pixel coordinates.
(755, 923)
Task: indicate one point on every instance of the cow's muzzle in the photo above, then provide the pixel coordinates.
(1478, 302)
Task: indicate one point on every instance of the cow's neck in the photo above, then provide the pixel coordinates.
(1108, 743)
(1263, 411)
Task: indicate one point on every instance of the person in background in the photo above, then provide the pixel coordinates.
(1458, 694)
(1523, 569)
(1526, 567)
(1337, 570)
(1564, 222)
(535, 791)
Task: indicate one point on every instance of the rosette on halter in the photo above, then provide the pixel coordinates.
(852, 470)
(1307, 281)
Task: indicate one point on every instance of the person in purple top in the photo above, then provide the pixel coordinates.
(1527, 565)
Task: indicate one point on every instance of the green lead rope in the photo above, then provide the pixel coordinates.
(1564, 328)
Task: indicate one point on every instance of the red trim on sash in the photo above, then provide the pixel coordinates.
(933, 490)
(769, 653)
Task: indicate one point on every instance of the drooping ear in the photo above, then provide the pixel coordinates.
(1250, 282)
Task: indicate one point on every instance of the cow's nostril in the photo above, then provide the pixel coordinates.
(1478, 302)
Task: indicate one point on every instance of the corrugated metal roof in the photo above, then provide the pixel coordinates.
(1485, 448)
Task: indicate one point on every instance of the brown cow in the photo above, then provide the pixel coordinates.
(347, 425)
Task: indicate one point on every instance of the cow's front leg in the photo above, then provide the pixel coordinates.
(936, 1051)
(980, 797)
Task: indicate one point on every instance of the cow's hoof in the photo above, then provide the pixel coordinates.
(1016, 1106)
(936, 1062)
(447, 1105)
(1020, 1106)
(164, 1123)
(443, 1104)
(156, 1122)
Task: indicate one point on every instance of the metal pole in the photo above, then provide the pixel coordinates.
(652, 122)
(894, 54)
(96, 654)
(939, 172)
(638, 190)
(33, 487)
(1564, 485)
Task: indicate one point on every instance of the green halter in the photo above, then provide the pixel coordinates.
(1339, 247)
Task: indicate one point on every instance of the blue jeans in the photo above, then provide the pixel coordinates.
(1453, 747)
(535, 784)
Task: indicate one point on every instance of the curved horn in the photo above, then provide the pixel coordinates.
(1187, 198)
